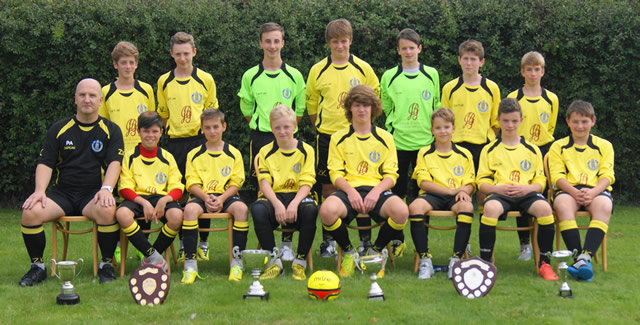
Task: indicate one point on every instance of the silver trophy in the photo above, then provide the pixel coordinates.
(66, 271)
(563, 257)
(375, 265)
(256, 260)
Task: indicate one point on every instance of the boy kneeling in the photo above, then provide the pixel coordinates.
(215, 173)
(512, 176)
(150, 184)
(581, 168)
(286, 174)
(446, 177)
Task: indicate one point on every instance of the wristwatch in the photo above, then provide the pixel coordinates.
(107, 187)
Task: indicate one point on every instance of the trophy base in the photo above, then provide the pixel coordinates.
(565, 294)
(262, 296)
(68, 299)
(376, 297)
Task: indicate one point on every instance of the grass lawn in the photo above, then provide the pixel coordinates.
(519, 295)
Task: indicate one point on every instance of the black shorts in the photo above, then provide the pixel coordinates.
(225, 205)
(179, 148)
(259, 139)
(475, 150)
(72, 202)
(138, 211)
(521, 204)
(286, 198)
(582, 207)
(322, 155)
(363, 191)
(439, 201)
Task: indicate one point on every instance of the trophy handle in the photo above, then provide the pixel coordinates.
(53, 264)
(80, 262)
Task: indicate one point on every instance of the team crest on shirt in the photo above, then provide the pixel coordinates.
(426, 94)
(593, 164)
(290, 184)
(196, 97)
(96, 145)
(297, 167)
(354, 82)
(363, 168)
(544, 117)
(514, 177)
(483, 106)
(211, 186)
(374, 156)
(534, 132)
(225, 171)
(458, 170)
(161, 178)
(131, 127)
(141, 108)
(286, 93)
(525, 165)
(414, 110)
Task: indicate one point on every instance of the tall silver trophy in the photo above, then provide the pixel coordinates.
(563, 257)
(66, 271)
(375, 265)
(256, 260)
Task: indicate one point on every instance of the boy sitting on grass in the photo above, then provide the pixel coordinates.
(581, 168)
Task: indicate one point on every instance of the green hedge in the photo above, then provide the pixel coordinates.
(592, 50)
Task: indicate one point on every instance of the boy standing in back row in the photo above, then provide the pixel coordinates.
(327, 84)
(539, 116)
(183, 93)
(266, 85)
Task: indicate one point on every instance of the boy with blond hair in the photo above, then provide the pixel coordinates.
(581, 169)
(328, 82)
(446, 176)
(183, 93)
(539, 116)
(215, 173)
(511, 176)
(286, 175)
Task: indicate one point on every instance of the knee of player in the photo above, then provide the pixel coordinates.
(259, 212)
(309, 213)
(33, 216)
(192, 211)
(419, 206)
(103, 215)
(240, 211)
(124, 216)
(174, 218)
(543, 209)
(466, 207)
(492, 209)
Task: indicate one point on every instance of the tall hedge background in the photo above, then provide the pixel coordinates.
(592, 52)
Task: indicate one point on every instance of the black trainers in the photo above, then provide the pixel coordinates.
(106, 273)
(34, 276)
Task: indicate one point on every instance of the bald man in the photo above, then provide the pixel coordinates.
(77, 147)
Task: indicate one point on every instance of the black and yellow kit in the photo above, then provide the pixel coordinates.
(215, 171)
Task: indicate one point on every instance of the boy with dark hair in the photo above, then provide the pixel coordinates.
(512, 176)
(539, 116)
(215, 173)
(286, 175)
(410, 92)
(183, 93)
(150, 185)
(581, 168)
(446, 176)
(363, 166)
(328, 82)
(78, 148)
(270, 83)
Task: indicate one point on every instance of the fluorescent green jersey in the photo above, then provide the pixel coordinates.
(123, 107)
(408, 99)
(262, 90)
(539, 116)
(581, 165)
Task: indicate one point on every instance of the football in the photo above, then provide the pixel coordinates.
(323, 285)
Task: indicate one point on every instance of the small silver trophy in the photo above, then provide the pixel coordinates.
(66, 271)
(374, 264)
(256, 260)
(563, 257)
